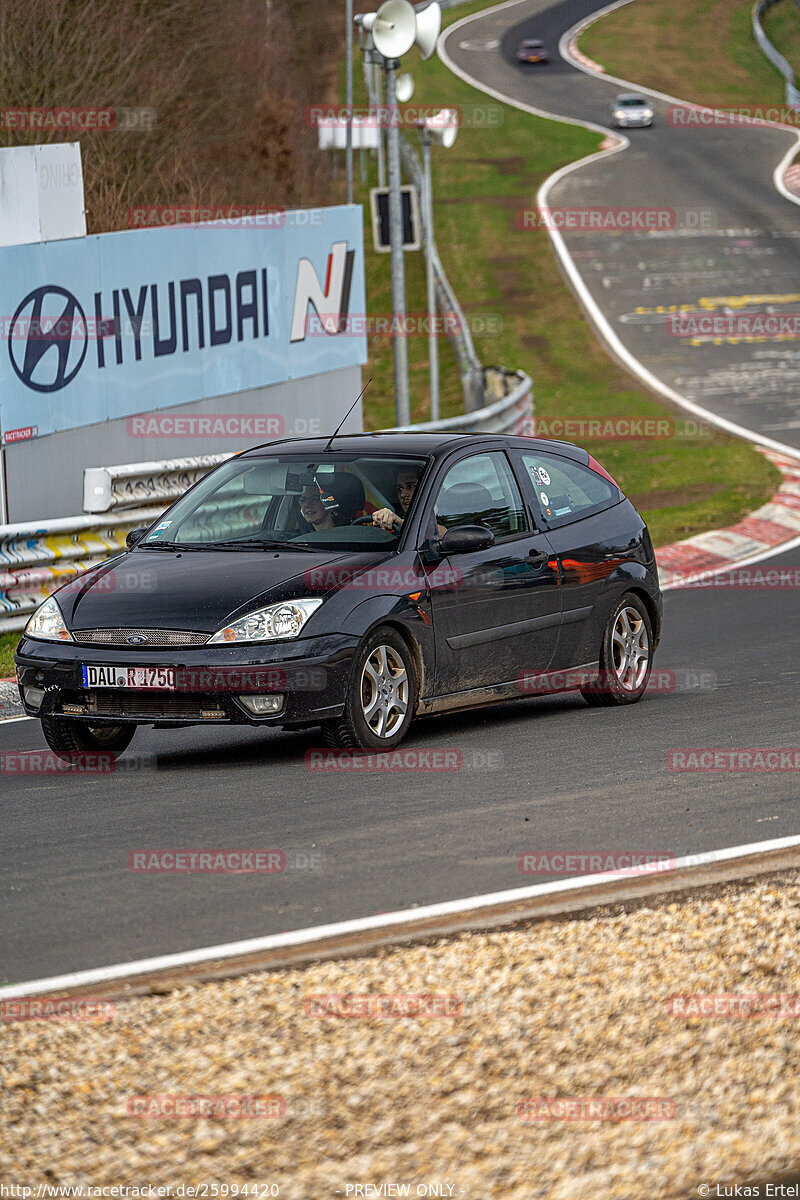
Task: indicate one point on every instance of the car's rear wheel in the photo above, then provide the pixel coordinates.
(70, 738)
(381, 695)
(626, 655)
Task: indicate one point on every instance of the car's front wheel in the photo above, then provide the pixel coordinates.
(626, 655)
(70, 738)
(381, 695)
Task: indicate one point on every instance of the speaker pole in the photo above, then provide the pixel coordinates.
(401, 396)
(349, 101)
(427, 208)
(381, 120)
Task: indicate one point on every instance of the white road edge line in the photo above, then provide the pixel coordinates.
(300, 937)
(596, 315)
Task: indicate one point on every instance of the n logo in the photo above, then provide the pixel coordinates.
(332, 302)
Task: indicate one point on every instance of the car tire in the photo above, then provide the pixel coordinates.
(69, 738)
(381, 695)
(626, 656)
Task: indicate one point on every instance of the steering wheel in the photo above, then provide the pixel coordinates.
(396, 526)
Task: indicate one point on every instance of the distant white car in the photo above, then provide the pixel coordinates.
(630, 111)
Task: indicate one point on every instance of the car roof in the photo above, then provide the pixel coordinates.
(631, 96)
(531, 42)
(407, 442)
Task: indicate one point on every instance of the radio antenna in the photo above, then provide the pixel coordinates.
(347, 414)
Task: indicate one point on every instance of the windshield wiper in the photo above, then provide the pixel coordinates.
(267, 543)
(169, 546)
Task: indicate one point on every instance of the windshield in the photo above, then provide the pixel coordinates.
(300, 502)
(631, 102)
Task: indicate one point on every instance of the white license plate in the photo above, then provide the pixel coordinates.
(146, 678)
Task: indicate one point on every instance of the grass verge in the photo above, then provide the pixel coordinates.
(781, 23)
(699, 50)
(524, 315)
(8, 644)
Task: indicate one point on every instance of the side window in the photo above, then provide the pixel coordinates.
(481, 490)
(565, 490)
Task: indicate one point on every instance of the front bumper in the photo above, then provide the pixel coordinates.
(310, 673)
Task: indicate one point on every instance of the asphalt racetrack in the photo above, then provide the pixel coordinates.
(544, 774)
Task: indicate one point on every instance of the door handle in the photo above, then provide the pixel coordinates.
(537, 558)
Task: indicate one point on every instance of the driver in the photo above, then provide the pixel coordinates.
(405, 486)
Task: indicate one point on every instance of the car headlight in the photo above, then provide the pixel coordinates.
(619, 115)
(47, 623)
(278, 621)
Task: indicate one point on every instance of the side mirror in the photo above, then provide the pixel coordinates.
(135, 536)
(464, 538)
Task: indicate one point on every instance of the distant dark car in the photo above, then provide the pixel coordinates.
(267, 595)
(531, 51)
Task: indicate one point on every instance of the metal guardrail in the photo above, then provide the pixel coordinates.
(510, 414)
(107, 488)
(774, 55)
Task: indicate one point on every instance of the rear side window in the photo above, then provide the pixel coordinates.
(565, 490)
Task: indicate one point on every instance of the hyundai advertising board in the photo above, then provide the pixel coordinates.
(104, 327)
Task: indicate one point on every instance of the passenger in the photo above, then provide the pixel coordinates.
(313, 511)
(348, 500)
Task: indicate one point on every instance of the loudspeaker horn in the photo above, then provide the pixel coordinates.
(429, 26)
(394, 29)
(405, 87)
(443, 126)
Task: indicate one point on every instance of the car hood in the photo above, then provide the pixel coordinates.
(196, 589)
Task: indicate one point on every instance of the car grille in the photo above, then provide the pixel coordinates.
(155, 637)
(151, 705)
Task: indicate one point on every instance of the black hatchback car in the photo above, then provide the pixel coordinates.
(354, 584)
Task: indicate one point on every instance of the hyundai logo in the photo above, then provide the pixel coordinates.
(136, 639)
(48, 339)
